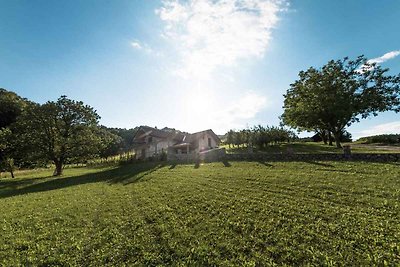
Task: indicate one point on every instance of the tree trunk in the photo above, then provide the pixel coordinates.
(58, 170)
(337, 139)
(330, 138)
(323, 137)
(10, 167)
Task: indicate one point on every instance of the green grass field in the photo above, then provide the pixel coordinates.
(221, 214)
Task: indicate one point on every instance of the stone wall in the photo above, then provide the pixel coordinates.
(215, 154)
(373, 157)
(182, 157)
(211, 155)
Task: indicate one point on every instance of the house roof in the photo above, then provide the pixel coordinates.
(179, 145)
(190, 138)
(198, 135)
(149, 131)
(179, 137)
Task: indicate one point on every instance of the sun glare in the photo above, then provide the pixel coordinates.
(199, 108)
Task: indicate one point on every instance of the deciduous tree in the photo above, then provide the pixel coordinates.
(60, 131)
(340, 93)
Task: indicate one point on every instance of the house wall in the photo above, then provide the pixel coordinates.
(163, 145)
(182, 157)
(155, 147)
(203, 142)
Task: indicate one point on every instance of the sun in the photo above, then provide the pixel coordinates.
(199, 108)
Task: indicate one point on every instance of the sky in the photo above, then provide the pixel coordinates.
(193, 64)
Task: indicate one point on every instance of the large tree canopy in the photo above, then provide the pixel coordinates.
(11, 105)
(340, 93)
(61, 131)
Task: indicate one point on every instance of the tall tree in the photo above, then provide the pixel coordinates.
(340, 93)
(60, 131)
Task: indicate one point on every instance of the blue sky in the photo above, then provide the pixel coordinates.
(191, 65)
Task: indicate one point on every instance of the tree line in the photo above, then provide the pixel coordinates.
(62, 132)
(326, 100)
(260, 136)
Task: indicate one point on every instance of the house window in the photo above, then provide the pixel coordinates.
(209, 142)
(150, 139)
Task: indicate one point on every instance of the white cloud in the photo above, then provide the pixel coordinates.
(213, 33)
(246, 107)
(142, 46)
(237, 114)
(378, 60)
(385, 57)
(136, 45)
(386, 128)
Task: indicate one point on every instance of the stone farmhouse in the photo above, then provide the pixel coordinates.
(151, 142)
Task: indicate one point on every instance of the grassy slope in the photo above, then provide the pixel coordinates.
(314, 148)
(238, 213)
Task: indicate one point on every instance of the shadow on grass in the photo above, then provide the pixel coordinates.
(226, 163)
(197, 164)
(14, 184)
(265, 163)
(173, 165)
(124, 175)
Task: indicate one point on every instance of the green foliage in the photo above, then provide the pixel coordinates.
(62, 131)
(126, 136)
(5, 140)
(260, 136)
(381, 139)
(339, 94)
(65, 131)
(7, 151)
(116, 141)
(345, 136)
(248, 214)
(230, 137)
(111, 143)
(11, 106)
